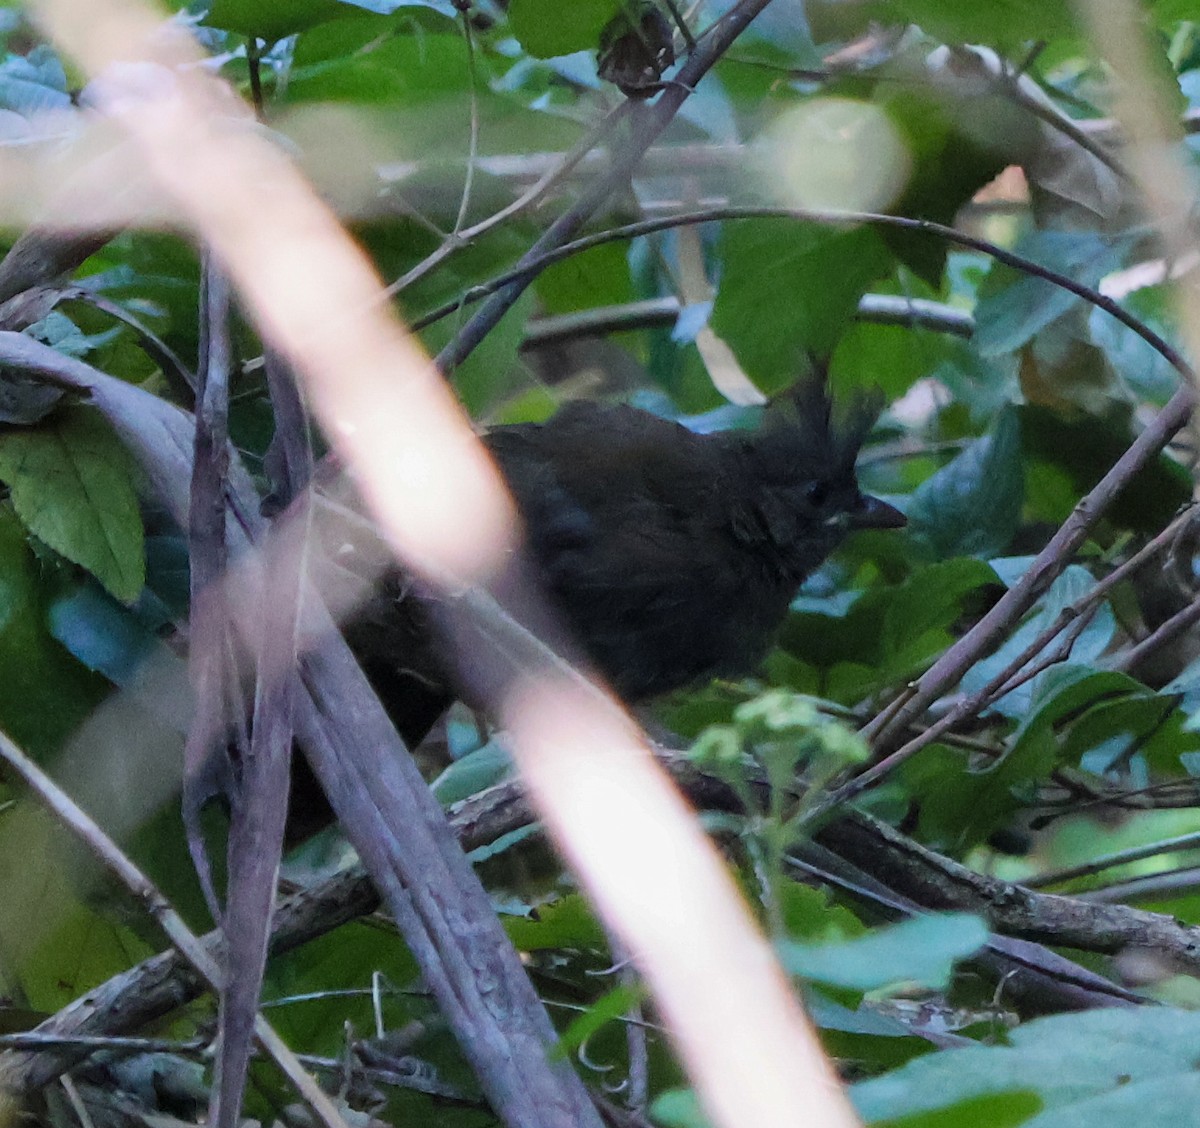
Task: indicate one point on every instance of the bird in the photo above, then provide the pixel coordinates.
(671, 556)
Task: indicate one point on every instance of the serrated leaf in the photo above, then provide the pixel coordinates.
(71, 484)
(972, 506)
(922, 951)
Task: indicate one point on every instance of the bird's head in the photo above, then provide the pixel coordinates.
(801, 464)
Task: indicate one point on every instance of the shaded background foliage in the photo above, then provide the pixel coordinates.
(988, 444)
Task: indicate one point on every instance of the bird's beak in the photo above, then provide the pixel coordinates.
(875, 514)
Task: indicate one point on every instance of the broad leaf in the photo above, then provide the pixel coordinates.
(548, 27)
(1014, 305)
(71, 484)
(788, 292)
(276, 19)
(1098, 1069)
(971, 507)
(923, 951)
(44, 692)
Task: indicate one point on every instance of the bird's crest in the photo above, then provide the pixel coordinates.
(803, 427)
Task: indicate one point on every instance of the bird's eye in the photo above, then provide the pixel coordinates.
(816, 493)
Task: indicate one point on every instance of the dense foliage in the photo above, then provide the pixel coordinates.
(712, 277)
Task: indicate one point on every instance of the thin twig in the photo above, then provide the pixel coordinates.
(1117, 858)
(464, 204)
(538, 260)
(1164, 634)
(1074, 617)
(538, 191)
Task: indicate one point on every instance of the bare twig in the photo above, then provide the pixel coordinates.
(877, 309)
(211, 662)
(1118, 858)
(554, 175)
(532, 264)
(153, 989)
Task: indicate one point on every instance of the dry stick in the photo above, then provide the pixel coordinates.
(877, 309)
(955, 662)
(209, 657)
(437, 900)
(1075, 617)
(1165, 633)
(258, 800)
(258, 817)
(1118, 858)
(196, 951)
(180, 379)
(161, 984)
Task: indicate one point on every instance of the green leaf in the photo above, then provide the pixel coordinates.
(923, 950)
(33, 83)
(548, 27)
(44, 692)
(1074, 583)
(972, 506)
(568, 923)
(101, 633)
(472, 773)
(999, 21)
(1014, 305)
(1099, 1069)
(789, 290)
(996, 1110)
(1085, 448)
(71, 484)
(679, 1108)
(609, 1007)
(276, 19)
(917, 622)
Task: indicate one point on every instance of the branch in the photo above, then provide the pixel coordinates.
(156, 987)
(646, 125)
(527, 270)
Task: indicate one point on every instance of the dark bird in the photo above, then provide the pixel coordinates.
(671, 556)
